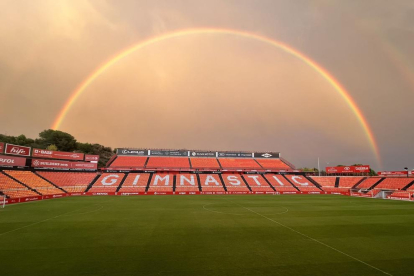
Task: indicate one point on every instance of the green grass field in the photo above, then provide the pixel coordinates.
(208, 235)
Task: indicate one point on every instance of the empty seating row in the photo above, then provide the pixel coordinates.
(71, 182)
(14, 189)
(35, 182)
(273, 164)
(129, 162)
(394, 183)
(325, 181)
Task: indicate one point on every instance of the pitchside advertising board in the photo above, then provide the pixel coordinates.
(57, 164)
(349, 169)
(17, 150)
(266, 155)
(203, 154)
(1, 147)
(11, 161)
(233, 154)
(57, 154)
(168, 152)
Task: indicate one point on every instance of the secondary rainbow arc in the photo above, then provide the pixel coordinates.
(288, 49)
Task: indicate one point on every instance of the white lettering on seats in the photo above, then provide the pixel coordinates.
(111, 181)
(183, 178)
(136, 180)
(255, 178)
(278, 180)
(211, 179)
(233, 180)
(299, 177)
(159, 178)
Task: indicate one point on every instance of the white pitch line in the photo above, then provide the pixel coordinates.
(318, 241)
(204, 207)
(34, 223)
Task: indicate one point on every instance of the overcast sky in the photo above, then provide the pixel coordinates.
(215, 91)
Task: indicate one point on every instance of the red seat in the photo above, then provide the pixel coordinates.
(239, 163)
(204, 163)
(14, 189)
(135, 183)
(394, 183)
(280, 183)
(234, 182)
(186, 182)
(211, 183)
(168, 163)
(161, 182)
(348, 181)
(129, 162)
(257, 183)
(368, 183)
(302, 183)
(275, 164)
(107, 183)
(35, 182)
(72, 182)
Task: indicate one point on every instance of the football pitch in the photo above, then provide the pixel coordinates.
(208, 235)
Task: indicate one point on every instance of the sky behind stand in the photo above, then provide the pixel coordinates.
(215, 91)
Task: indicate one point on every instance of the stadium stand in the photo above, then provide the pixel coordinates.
(368, 183)
(257, 183)
(401, 194)
(35, 182)
(186, 182)
(211, 183)
(135, 183)
(239, 163)
(280, 183)
(14, 189)
(129, 162)
(107, 183)
(328, 184)
(234, 182)
(72, 182)
(161, 182)
(205, 163)
(348, 181)
(303, 184)
(394, 183)
(273, 164)
(168, 163)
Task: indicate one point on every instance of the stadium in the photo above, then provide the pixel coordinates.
(191, 137)
(181, 212)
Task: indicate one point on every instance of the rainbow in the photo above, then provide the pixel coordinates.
(323, 72)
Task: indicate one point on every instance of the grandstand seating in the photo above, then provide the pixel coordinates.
(401, 194)
(368, 183)
(257, 183)
(107, 183)
(348, 181)
(211, 183)
(204, 163)
(71, 182)
(394, 183)
(239, 163)
(186, 182)
(168, 163)
(325, 181)
(303, 184)
(280, 183)
(129, 162)
(161, 182)
(273, 164)
(234, 182)
(14, 189)
(35, 182)
(135, 183)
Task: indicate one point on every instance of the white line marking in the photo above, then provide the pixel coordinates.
(315, 240)
(204, 207)
(34, 223)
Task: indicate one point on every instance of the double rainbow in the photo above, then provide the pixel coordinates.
(324, 73)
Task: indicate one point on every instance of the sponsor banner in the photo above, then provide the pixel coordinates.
(168, 152)
(11, 161)
(91, 158)
(231, 154)
(57, 154)
(395, 173)
(17, 150)
(84, 165)
(1, 147)
(266, 155)
(123, 151)
(203, 153)
(58, 164)
(348, 169)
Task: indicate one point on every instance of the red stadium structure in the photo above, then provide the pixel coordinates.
(168, 172)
